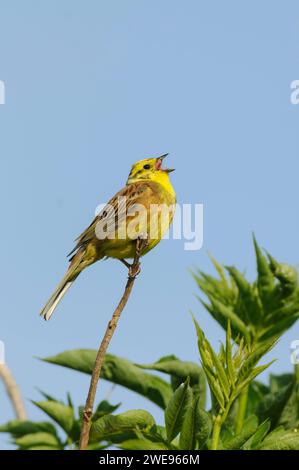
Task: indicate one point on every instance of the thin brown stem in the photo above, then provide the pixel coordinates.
(13, 392)
(123, 261)
(134, 270)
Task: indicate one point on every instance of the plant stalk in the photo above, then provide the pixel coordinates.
(134, 269)
(219, 420)
(241, 412)
(216, 432)
(13, 392)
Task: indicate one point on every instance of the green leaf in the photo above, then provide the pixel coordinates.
(179, 371)
(48, 397)
(273, 404)
(247, 296)
(114, 427)
(256, 393)
(209, 285)
(203, 426)
(249, 428)
(69, 400)
(251, 376)
(221, 272)
(176, 409)
(207, 357)
(221, 374)
(119, 371)
(258, 436)
(38, 439)
(279, 439)
(265, 280)
(104, 408)
(214, 313)
(215, 389)
(278, 381)
(60, 413)
(175, 367)
(199, 332)
(188, 431)
(281, 401)
(228, 355)
(286, 274)
(289, 417)
(253, 358)
(288, 311)
(278, 328)
(20, 428)
(229, 314)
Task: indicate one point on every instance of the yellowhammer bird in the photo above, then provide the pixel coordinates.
(144, 208)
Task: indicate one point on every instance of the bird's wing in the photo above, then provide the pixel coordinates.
(116, 210)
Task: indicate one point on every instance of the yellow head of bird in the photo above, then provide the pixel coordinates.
(149, 169)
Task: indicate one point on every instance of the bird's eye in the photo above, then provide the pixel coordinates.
(146, 167)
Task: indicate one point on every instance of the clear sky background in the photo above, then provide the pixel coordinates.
(92, 87)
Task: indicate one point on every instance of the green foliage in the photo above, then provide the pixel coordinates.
(176, 410)
(229, 372)
(255, 440)
(258, 311)
(118, 371)
(204, 425)
(116, 428)
(235, 442)
(60, 413)
(65, 421)
(196, 426)
(40, 440)
(280, 439)
(21, 428)
(281, 402)
(188, 426)
(179, 371)
(245, 413)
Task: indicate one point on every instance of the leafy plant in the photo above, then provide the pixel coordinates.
(62, 432)
(229, 373)
(245, 414)
(259, 312)
(119, 371)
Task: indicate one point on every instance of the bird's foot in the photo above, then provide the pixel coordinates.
(134, 270)
(141, 244)
(128, 265)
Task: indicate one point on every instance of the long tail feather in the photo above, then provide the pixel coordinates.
(51, 305)
(62, 287)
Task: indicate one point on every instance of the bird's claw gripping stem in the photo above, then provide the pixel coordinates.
(134, 268)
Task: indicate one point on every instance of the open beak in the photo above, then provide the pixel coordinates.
(159, 164)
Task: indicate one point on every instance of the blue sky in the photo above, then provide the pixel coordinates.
(92, 87)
